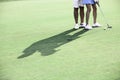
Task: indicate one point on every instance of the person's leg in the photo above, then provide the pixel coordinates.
(88, 16)
(88, 13)
(95, 24)
(81, 15)
(82, 24)
(76, 15)
(94, 13)
(76, 18)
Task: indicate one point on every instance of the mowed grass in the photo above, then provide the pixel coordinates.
(34, 43)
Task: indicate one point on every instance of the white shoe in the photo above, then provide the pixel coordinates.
(96, 25)
(88, 27)
(76, 26)
(82, 25)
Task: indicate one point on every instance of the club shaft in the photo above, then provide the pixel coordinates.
(103, 14)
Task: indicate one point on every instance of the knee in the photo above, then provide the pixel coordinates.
(88, 9)
(75, 10)
(94, 8)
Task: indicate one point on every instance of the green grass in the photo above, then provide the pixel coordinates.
(34, 43)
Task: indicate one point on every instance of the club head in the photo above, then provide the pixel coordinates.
(108, 27)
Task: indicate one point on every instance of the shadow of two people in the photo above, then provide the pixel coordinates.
(47, 46)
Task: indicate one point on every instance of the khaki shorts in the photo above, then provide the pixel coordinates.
(77, 3)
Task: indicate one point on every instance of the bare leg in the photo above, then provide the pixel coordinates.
(81, 15)
(76, 15)
(94, 13)
(88, 13)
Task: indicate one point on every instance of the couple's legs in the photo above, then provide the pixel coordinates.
(88, 13)
(81, 15)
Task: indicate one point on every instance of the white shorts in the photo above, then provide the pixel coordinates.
(77, 3)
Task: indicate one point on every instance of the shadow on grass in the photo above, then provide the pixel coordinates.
(117, 79)
(48, 46)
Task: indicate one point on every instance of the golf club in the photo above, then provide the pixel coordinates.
(108, 26)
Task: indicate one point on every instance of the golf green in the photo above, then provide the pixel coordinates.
(38, 42)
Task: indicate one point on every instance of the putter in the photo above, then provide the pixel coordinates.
(108, 26)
